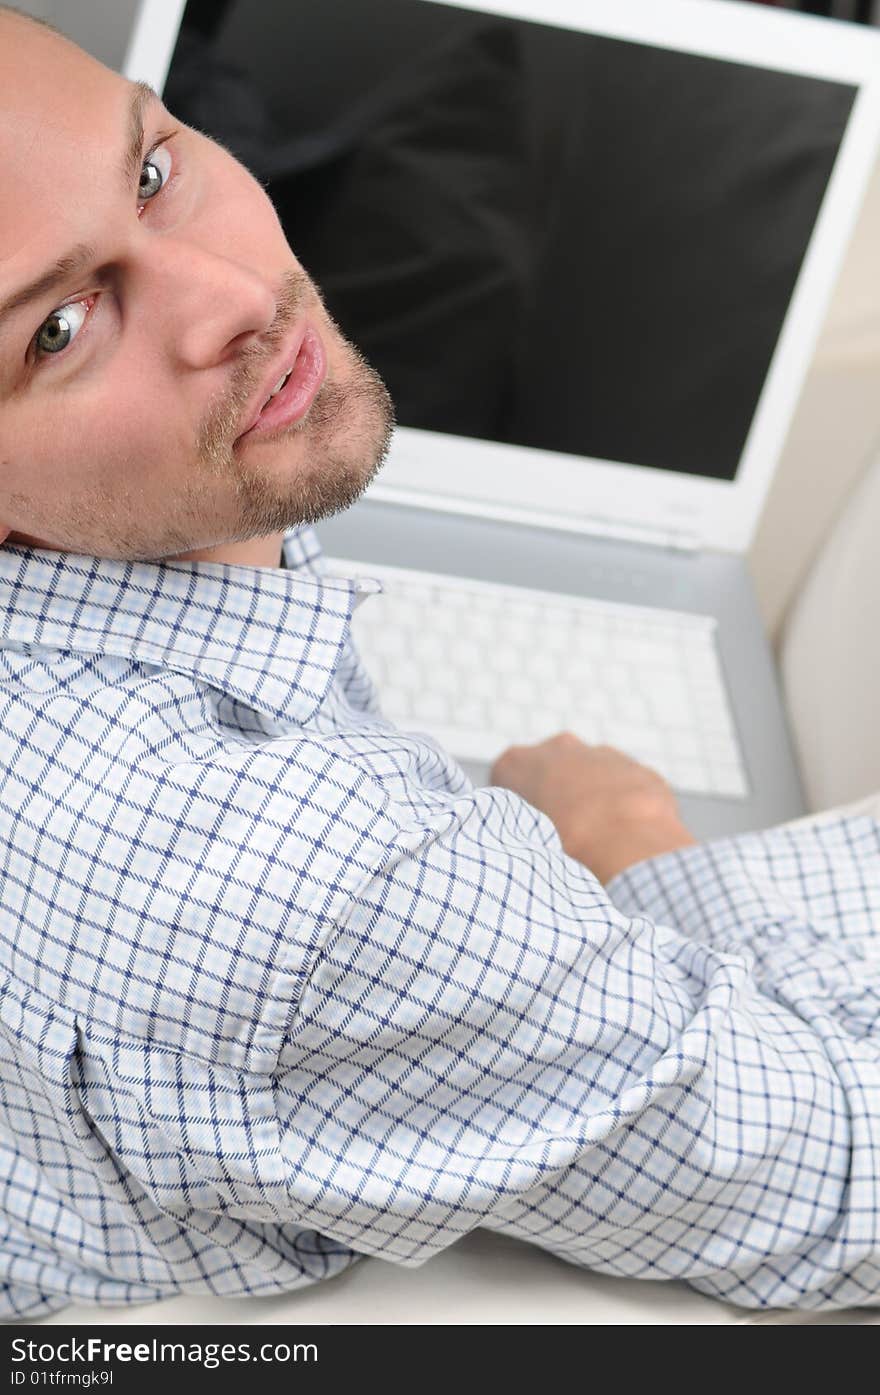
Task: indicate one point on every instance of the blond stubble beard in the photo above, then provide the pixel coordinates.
(348, 431)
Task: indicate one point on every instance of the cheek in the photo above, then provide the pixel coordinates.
(123, 432)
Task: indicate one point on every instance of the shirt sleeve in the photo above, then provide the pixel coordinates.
(487, 1039)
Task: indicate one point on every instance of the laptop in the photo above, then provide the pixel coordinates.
(589, 245)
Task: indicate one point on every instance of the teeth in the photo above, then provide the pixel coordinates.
(276, 389)
(279, 385)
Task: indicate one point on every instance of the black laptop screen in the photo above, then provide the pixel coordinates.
(537, 236)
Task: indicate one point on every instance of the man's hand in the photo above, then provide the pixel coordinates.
(609, 811)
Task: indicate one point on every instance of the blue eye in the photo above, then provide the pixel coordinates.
(61, 327)
(154, 173)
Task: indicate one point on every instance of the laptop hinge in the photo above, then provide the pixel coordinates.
(671, 539)
(679, 540)
(593, 525)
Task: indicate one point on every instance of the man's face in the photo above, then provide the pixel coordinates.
(120, 414)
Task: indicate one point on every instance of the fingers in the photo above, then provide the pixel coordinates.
(510, 767)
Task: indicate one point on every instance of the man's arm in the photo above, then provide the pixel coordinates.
(486, 1040)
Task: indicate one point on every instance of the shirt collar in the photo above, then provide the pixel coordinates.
(268, 636)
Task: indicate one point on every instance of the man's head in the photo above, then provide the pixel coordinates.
(125, 387)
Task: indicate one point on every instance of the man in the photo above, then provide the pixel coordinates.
(281, 988)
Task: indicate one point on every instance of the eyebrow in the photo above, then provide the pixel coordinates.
(81, 256)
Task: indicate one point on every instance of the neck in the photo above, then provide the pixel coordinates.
(257, 552)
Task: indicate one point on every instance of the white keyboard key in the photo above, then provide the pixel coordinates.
(480, 683)
(582, 672)
(552, 720)
(428, 648)
(471, 713)
(515, 634)
(505, 661)
(624, 735)
(432, 708)
(465, 652)
(668, 698)
(542, 667)
(591, 643)
(687, 775)
(468, 744)
(480, 628)
(594, 703)
(616, 677)
(522, 691)
(683, 745)
(407, 674)
(396, 704)
(448, 680)
(631, 707)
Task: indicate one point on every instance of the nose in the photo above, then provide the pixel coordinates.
(214, 304)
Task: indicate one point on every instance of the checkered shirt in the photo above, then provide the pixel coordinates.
(281, 988)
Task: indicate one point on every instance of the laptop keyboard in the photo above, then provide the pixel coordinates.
(481, 666)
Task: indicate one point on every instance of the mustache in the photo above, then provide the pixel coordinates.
(218, 433)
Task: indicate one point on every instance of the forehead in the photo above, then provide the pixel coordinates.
(63, 121)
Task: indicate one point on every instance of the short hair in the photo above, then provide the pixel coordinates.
(23, 14)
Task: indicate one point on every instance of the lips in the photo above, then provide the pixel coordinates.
(290, 404)
(280, 366)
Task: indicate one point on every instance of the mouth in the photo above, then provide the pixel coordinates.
(290, 387)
